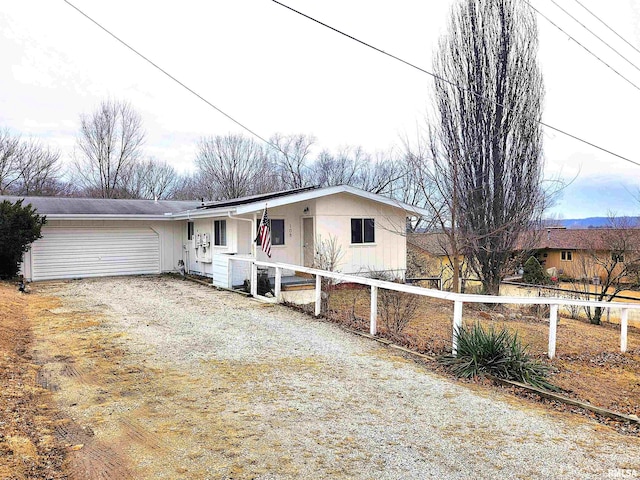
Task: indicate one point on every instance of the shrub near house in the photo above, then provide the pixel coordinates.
(19, 227)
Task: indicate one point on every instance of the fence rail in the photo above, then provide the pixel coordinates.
(458, 299)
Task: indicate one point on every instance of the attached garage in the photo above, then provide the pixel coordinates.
(96, 237)
(95, 252)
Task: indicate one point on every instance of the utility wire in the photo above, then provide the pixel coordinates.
(452, 83)
(190, 90)
(595, 35)
(602, 22)
(589, 51)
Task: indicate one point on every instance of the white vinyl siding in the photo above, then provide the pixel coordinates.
(95, 252)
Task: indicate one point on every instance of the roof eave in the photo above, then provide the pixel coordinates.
(201, 213)
(90, 216)
(323, 192)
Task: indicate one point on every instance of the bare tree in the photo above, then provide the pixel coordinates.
(233, 166)
(189, 187)
(38, 170)
(486, 143)
(152, 179)
(9, 145)
(356, 167)
(431, 181)
(27, 167)
(383, 175)
(290, 156)
(109, 146)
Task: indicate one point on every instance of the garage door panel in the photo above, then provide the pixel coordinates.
(94, 252)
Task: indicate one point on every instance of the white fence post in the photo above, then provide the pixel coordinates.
(457, 325)
(278, 285)
(624, 319)
(318, 294)
(373, 328)
(553, 328)
(254, 280)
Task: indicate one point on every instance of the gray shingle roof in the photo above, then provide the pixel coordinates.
(103, 206)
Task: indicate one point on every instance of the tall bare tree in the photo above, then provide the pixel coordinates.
(109, 146)
(487, 147)
(233, 166)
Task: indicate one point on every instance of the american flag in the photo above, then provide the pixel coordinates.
(265, 234)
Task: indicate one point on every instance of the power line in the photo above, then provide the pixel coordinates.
(602, 22)
(595, 35)
(585, 48)
(190, 90)
(450, 82)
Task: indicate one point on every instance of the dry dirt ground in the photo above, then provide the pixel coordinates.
(588, 364)
(97, 388)
(28, 419)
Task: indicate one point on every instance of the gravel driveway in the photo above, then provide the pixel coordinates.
(232, 388)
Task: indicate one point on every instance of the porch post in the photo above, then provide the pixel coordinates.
(254, 279)
(278, 283)
(254, 252)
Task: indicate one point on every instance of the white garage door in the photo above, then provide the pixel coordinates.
(94, 252)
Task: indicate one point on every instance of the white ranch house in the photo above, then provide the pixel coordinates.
(105, 237)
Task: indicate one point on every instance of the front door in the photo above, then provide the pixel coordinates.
(307, 242)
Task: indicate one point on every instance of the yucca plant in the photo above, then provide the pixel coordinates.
(498, 353)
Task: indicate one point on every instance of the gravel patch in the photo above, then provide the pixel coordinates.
(317, 402)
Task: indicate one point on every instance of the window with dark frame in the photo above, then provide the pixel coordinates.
(277, 231)
(363, 230)
(566, 255)
(189, 230)
(276, 227)
(220, 233)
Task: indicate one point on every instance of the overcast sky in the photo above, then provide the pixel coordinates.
(276, 71)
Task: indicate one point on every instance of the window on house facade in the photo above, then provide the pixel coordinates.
(363, 230)
(189, 230)
(276, 227)
(566, 255)
(617, 257)
(220, 233)
(277, 231)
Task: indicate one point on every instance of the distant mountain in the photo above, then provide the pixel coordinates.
(594, 222)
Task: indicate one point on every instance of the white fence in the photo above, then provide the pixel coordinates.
(458, 299)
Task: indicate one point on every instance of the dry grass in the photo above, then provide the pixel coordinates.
(588, 365)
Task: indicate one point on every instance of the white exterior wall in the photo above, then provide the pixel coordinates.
(291, 251)
(238, 233)
(389, 252)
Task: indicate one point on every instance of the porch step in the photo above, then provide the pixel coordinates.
(298, 286)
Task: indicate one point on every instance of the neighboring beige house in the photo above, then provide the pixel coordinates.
(429, 256)
(102, 237)
(584, 254)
